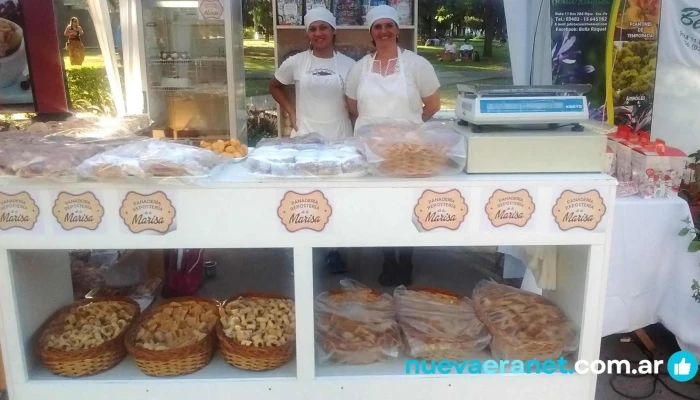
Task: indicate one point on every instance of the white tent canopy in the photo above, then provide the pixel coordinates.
(677, 93)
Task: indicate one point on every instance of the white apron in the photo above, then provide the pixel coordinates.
(384, 97)
(321, 105)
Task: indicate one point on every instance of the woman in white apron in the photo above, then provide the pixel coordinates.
(392, 84)
(319, 75)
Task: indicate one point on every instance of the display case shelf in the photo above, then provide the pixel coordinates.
(236, 217)
(189, 61)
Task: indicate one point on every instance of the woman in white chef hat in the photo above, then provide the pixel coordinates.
(397, 84)
(319, 75)
(392, 83)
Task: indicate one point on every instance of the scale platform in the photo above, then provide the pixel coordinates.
(527, 150)
(490, 106)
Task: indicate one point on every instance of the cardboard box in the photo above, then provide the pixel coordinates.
(623, 142)
(610, 161)
(658, 169)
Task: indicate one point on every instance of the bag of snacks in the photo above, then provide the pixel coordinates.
(150, 157)
(409, 150)
(438, 324)
(524, 325)
(356, 325)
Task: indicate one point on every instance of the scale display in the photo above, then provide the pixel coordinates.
(500, 106)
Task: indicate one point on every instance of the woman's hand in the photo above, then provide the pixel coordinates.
(277, 91)
(431, 105)
(293, 120)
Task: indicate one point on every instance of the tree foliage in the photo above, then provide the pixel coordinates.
(441, 18)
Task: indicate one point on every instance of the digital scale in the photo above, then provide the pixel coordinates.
(530, 129)
(555, 105)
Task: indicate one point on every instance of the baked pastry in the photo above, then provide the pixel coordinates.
(329, 164)
(524, 325)
(352, 163)
(438, 324)
(307, 163)
(356, 326)
(258, 164)
(177, 325)
(283, 168)
(88, 326)
(151, 157)
(259, 321)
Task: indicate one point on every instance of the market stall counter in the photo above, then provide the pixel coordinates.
(238, 211)
(242, 300)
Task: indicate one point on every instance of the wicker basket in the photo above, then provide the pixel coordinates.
(76, 363)
(249, 357)
(346, 352)
(179, 361)
(418, 344)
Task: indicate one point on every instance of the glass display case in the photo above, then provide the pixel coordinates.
(194, 68)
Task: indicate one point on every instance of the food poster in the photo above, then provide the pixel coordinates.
(289, 12)
(405, 10)
(579, 40)
(311, 4)
(15, 85)
(367, 5)
(632, 48)
(611, 45)
(348, 12)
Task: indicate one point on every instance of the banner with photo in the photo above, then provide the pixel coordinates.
(612, 45)
(15, 85)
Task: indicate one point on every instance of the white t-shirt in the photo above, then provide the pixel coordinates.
(466, 47)
(450, 48)
(421, 78)
(292, 68)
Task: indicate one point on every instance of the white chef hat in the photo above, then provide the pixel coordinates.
(381, 12)
(319, 14)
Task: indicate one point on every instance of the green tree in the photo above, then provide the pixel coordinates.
(261, 12)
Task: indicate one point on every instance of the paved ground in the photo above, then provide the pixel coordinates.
(644, 387)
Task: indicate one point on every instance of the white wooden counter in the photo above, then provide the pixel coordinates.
(239, 211)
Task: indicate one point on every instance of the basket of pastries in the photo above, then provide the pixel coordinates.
(174, 338)
(86, 337)
(523, 325)
(409, 150)
(438, 324)
(256, 331)
(356, 325)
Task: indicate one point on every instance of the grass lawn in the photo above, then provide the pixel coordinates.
(259, 56)
(499, 62)
(93, 58)
(256, 87)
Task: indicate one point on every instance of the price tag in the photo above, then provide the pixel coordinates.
(148, 212)
(579, 210)
(510, 208)
(78, 211)
(299, 211)
(440, 210)
(18, 211)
